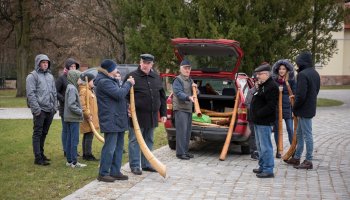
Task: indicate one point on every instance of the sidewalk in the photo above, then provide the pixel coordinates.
(19, 113)
(205, 177)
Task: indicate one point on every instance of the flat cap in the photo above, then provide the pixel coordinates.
(147, 57)
(264, 67)
(185, 63)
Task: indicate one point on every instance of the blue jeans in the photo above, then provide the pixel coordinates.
(72, 142)
(112, 154)
(264, 147)
(64, 134)
(289, 127)
(134, 148)
(304, 133)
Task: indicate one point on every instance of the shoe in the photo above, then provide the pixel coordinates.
(278, 155)
(257, 171)
(120, 177)
(189, 155)
(292, 161)
(107, 179)
(254, 155)
(148, 169)
(78, 165)
(64, 154)
(68, 164)
(90, 158)
(305, 165)
(183, 157)
(136, 171)
(265, 175)
(46, 158)
(41, 162)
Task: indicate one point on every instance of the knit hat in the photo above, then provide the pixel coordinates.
(89, 76)
(264, 67)
(71, 61)
(147, 57)
(109, 65)
(185, 63)
(73, 76)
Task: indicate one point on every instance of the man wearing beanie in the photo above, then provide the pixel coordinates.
(149, 100)
(182, 105)
(263, 114)
(61, 86)
(113, 119)
(308, 86)
(73, 115)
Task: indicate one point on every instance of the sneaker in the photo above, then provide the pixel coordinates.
(107, 179)
(78, 165)
(305, 165)
(68, 164)
(120, 177)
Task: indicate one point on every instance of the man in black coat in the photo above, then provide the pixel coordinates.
(149, 100)
(308, 86)
(263, 115)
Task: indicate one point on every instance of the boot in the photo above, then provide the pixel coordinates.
(293, 161)
(305, 165)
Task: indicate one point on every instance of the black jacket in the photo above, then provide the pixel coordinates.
(264, 103)
(61, 86)
(149, 98)
(308, 86)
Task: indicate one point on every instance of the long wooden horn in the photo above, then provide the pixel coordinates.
(197, 109)
(156, 164)
(280, 124)
(230, 129)
(97, 135)
(292, 147)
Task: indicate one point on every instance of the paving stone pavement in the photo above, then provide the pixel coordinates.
(205, 177)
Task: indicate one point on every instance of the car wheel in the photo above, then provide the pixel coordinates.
(172, 144)
(245, 149)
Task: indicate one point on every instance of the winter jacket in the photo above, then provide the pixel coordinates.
(72, 108)
(264, 103)
(92, 111)
(308, 86)
(40, 88)
(112, 103)
(182, 88)
(149, 97)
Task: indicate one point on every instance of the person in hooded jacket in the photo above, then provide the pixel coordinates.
(61, 86)
(113, 119)
(308, 86)
(283, 71)
(73, 115)
(42, 101)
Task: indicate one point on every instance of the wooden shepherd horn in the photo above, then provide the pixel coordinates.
(230, 129)
(97, 135)
(156, 164)
(280, 124)
(197, 109)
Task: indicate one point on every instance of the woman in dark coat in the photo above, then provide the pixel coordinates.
(283, 71)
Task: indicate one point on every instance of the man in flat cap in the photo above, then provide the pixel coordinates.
(263, 110)
(149, 100)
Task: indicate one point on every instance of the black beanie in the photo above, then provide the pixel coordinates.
(108, 65)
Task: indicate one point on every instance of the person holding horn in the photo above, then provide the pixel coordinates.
(283, 73)
(263, 110)
(182, 105)
(113, 119)
(150, 99)
(86, 86)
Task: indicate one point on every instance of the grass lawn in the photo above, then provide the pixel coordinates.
(21, 179)
(321, 102)
(8, 99)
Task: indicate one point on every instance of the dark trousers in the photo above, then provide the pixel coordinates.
(252, 142)
(87, 143)
(183, 125)
(41, 127)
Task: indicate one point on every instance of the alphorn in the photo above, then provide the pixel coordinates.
(280, 124)
(156, 164)
(197, 109)
(292, 147)
(97, 135)
(230, 129)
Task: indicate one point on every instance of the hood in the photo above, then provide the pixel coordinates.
(73, 76)
(304, 60)
(40, 58)
(288, 65)
(69, 62)
(102, 74)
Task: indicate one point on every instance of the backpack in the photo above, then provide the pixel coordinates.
(36, 78)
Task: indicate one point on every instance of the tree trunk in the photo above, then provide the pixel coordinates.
(23, 53)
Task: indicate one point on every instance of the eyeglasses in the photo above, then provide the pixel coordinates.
(261, 73)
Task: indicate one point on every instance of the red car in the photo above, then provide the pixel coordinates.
(215, 64)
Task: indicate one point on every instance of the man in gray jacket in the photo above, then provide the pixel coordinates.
(42, 100)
